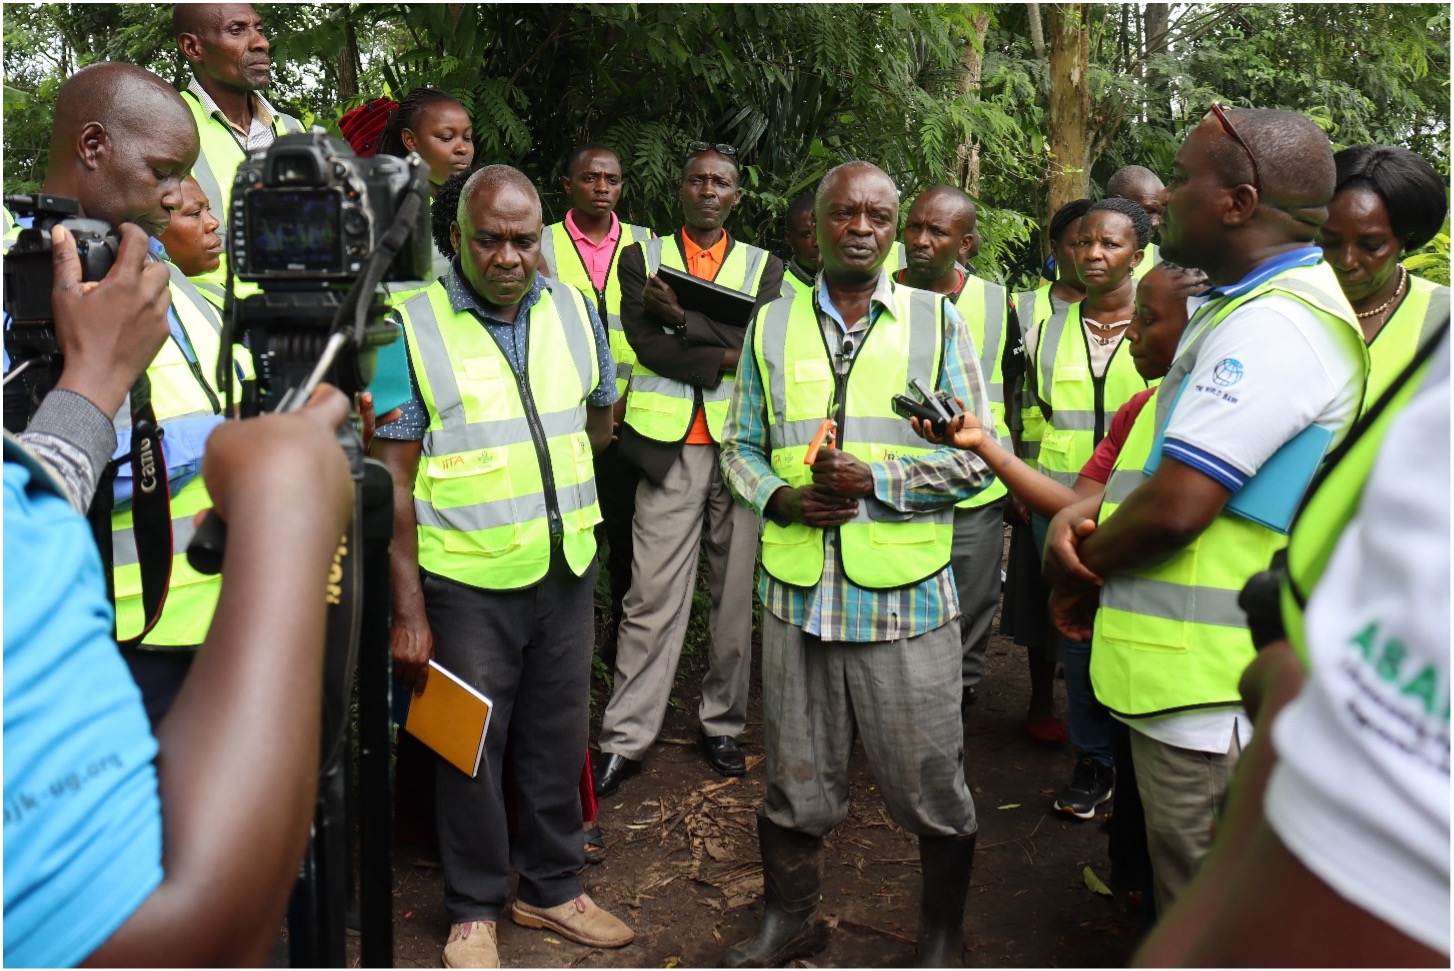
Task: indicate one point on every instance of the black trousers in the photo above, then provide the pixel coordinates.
(616, 494)
(528, 651)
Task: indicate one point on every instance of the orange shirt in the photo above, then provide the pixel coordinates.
(703, 264)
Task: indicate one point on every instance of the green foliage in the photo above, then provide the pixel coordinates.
(797, 88)
(1432, 261)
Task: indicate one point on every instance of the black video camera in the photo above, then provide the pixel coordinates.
(317, 229)
(30, 340)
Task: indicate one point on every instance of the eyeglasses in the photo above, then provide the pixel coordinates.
(721, 148)
(1216, 109)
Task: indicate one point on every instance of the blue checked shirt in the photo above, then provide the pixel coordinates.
(837, 609)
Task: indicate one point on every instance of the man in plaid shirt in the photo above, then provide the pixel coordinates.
(857, 635)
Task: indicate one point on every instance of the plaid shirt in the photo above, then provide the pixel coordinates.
(260, 135)
(837, 609)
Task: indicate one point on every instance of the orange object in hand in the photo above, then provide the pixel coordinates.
(827, 433)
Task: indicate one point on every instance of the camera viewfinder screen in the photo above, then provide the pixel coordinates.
(294, 230)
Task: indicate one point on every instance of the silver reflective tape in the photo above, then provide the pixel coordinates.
(1174, 601)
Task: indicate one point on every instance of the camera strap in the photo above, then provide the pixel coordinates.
(151, 511)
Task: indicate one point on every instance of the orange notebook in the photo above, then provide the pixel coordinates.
(451, 718)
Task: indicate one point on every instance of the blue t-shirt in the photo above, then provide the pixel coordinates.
(83, 829)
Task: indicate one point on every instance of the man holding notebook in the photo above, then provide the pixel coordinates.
(675, 406)
(494, 556)
(1272, 350)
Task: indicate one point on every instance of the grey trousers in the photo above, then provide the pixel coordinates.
(979, 546)
(528, 651)
(666, 536)
(901, 697)
(1180, 790)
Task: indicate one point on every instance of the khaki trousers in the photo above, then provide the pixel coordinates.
(666, 535)
(1180, 792)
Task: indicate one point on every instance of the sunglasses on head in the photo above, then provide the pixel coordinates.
(1221, 116)
(721, 148)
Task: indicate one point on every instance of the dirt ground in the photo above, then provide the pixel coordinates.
(683, 865)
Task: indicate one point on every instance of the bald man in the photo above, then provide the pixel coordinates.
(1272, 355)
(121, 144)
(227, 48)
(1143, 187)
(941, 235)
(858, 632)
(494, 556)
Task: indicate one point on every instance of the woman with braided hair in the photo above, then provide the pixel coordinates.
(428, 121)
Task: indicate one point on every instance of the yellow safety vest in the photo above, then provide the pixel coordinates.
(1337, 498)
(1076, 404)
(217, 165)
(1393, 347)
(982, 304)
(878, 551)
(793, 283)
(504, 456)
(179, 389)
(1172, 637)
(555, 243)
(661, 408)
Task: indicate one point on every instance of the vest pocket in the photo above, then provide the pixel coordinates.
(902, 534)
(1056, 441)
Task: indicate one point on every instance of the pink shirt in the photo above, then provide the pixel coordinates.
(596, 256)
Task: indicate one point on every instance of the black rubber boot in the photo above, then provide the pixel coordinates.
(946, 862)
(792, 872)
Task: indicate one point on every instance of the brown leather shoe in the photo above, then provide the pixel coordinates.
(471, 945)
(579, 920)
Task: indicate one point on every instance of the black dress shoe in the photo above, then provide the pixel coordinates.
(723, 754)
(612, 770)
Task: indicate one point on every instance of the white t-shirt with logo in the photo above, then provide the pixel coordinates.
(1267, 371)
(1361, 791)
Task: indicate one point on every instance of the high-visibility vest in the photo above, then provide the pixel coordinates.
(1337, 497)
(180, 389)
(1032, 309)
(659, 407)
(1076, 404)
(904, 342)
(1425, 305)
(504, 455)
(982, 305)
(1172, 637)
(555, 244)
(217, 165)
(793, 282)
(1150, 259)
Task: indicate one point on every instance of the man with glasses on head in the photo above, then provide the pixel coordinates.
(675, 406)
(1269, 375)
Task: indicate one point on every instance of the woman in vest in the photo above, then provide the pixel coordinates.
(1023, 617)
(192, 241)
(1388, 203)
(1083, 375)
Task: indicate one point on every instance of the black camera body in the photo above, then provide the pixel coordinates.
(308, 210)
(29, 276)
(307, 218)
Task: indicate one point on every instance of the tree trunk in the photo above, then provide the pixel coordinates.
(348, 63)
(1037, 34)
(1158, 25)
(1069, 103)
(971, 67)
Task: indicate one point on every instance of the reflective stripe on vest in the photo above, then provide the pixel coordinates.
(661, 408)
(982, 304)
(1032, 309)
(483, 492)
(879, 548)
(1329, 510)
(557, 240)
(1393, 347)
(1075, 421)
(1171, 637)
(175, 394)
(217, 165)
